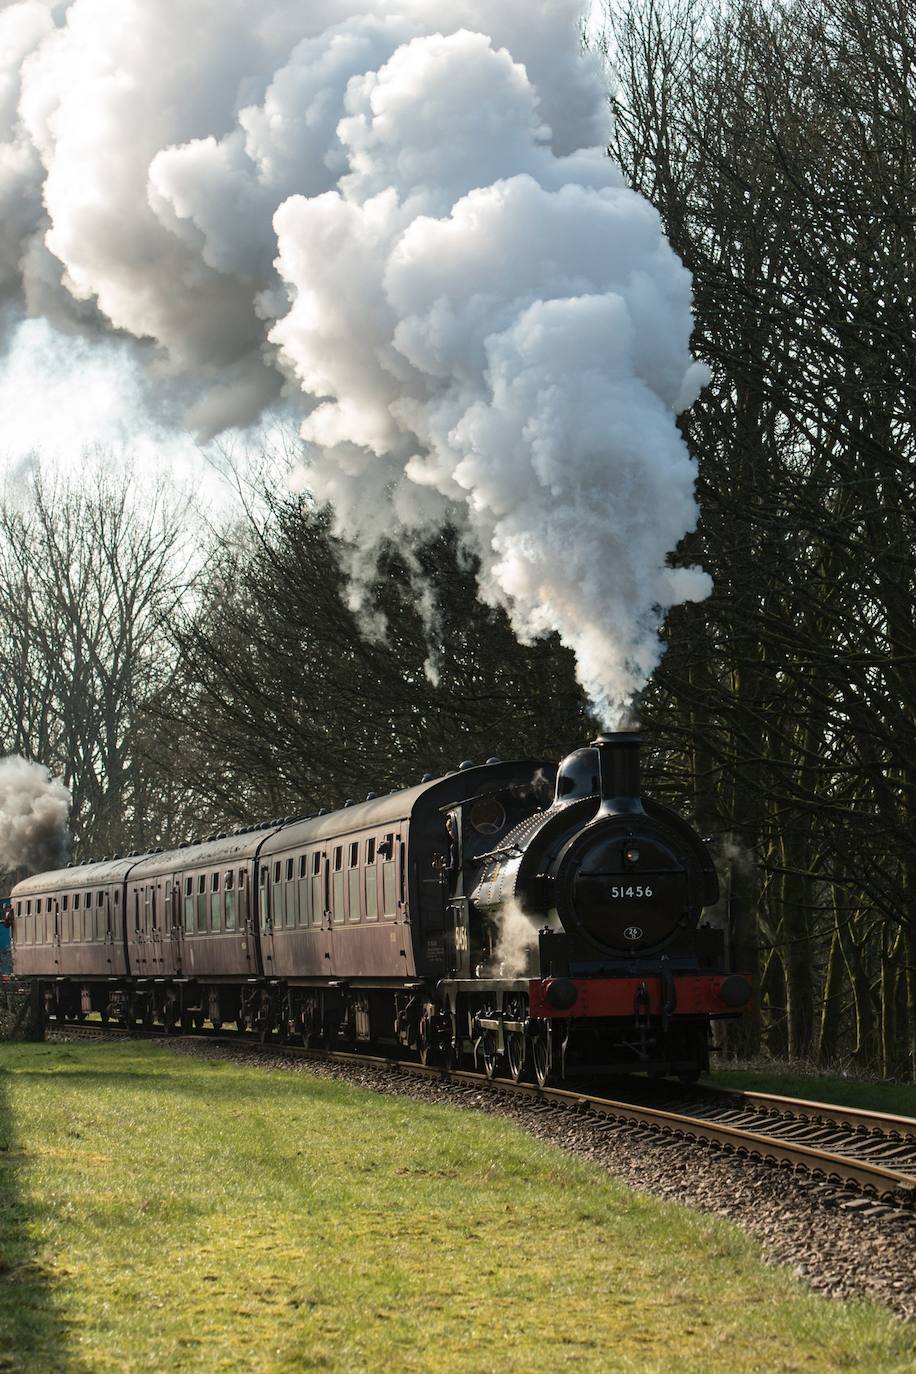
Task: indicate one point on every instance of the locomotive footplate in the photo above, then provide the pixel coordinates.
(695, 994)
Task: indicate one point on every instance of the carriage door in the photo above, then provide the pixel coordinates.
(155, 920)
(56, 918)
(241, 905)
(265, 912)
(172, 916)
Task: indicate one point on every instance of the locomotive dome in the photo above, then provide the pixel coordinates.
(577, 776)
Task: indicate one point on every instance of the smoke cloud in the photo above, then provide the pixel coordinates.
(34, 808)
(399, 217)
(516, 941)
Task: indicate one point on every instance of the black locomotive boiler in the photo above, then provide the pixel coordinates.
(528, 918)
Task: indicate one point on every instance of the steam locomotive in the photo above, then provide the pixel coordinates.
(527, 918)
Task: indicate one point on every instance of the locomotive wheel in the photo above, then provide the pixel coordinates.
(516, 1042)
(489, 1049)
(516, 1054)
(542, 1056)
(425, 1047)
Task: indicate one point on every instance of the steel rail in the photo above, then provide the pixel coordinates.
(834, 1113)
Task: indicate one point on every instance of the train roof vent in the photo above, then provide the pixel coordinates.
(221, 835)
(371, 796)
(466, 763)
(349, 802)
(427, 777)
(322, 811)
(494, 760)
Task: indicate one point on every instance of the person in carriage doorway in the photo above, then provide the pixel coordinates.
(6, 937)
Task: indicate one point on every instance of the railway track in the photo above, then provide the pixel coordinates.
(870, 1156)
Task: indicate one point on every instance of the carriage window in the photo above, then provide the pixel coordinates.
(371, 882)
(337, 905)
(277, 871)
(189, 906)
(353, 881)
(188, 886)
(216, 910)
(288, 896)
(76, 901)
(202, 883)
(100, 899)
(117, 896)
(389, 894)
(28, 907)
(48, 904)
(303, 886)
(316, 905)
(229, 899)
(241, 877)
(64, 902)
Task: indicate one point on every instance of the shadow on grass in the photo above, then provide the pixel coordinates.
(33, 1335)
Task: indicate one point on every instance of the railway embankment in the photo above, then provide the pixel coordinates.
(800, 1079)
(191, 1211)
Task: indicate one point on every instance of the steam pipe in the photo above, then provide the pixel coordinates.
(618, 773)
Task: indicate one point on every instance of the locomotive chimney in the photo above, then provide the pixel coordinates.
(618, 772)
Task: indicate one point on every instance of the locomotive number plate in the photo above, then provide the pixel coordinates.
(628, 891)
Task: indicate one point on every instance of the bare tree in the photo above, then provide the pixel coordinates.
(90, 577)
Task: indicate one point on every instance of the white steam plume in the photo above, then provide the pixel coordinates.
(516, 940)
(33, 816)
(402, 215)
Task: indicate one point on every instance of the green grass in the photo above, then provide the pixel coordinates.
(791, 1081)
(160, 1212)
